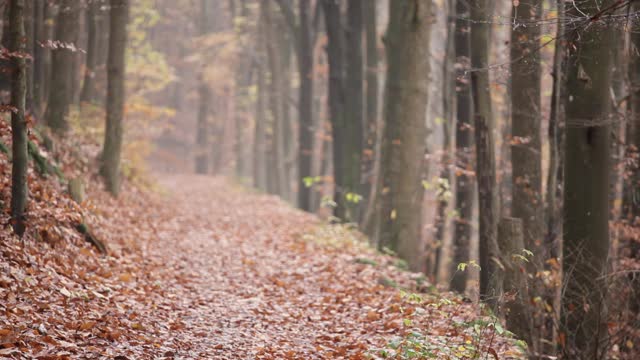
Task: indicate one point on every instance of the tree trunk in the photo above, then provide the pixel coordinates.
(61, 87)
(404, 141)
(586, 205)
(78, 56)
(275, 63)
(464, 154)
(554, 190)
(354, 121)
(48, 33)
(259, 145)
(448, 123)
(526, 149)
(337, 99)
(204, 99)
(88, 94)
(511, 242)
(243, 74)
(115, 95)
(371, 123)
(481, 11)
(305, 106)
(202, 136)
(29, 48)
(5, 41)
(20, 161)
(38, 54)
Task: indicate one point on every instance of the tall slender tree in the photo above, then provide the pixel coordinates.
(61, 89)
(354, 110)
(404, 141)
(94, 20)
(204, 99)
(586, 205)
(19, 188)
(371, 119)
(480, 13)
(526, 146)
(276, 83)
(464, 154)
(38, 54)
(115, 95)
(337, 99)
(305, 106)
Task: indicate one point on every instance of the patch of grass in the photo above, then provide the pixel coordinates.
(366, 261)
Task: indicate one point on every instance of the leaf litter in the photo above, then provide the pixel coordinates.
(200, 268)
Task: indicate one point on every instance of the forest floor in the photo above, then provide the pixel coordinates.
(202, 268)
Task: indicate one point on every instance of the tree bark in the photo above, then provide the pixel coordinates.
(464, 154)
(526, 149)
(38, 54)
(404, 141)
(19, 187)
(354, 121)
(481, 11)
(511, 242)
(61, 87)
(115, 95)
(448, 123)
(243, 74)
(28, 21)
(371, 121)
(275, 63)
(305, 106)
(259, 145)
(337, 100)
(203, 136)
(88, 94)
(586, 205)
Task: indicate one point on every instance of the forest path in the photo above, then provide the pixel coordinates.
(247, 276)
(255, 288)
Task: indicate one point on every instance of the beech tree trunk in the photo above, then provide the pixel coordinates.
(526, 149)
(115, 95)
(61, 87)
(371, 121)
(404, 141)
(464, 154)
(337, 106)
(354, 110)
(259, 145)
(511, 242)
(38, 54)
(586, 203)
(203, 136)
(93, 21)
(305, 106)
(276, 110)
(481, 11)
(20, 160)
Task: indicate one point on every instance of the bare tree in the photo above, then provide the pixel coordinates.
(20, 162)
(404, 139)
(115, 95)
